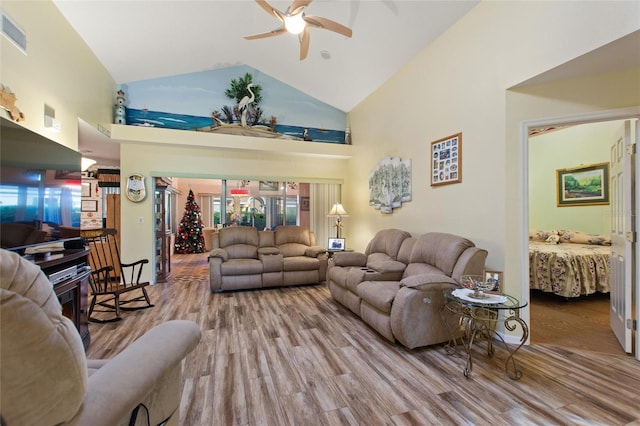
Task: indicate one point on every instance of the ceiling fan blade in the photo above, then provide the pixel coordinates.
(271, 33)
(304, 43)
(327, 24)
(295, 7)
(270, 9)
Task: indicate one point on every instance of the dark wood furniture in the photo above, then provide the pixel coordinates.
(72, 292)
(111, 277)
(162, 209)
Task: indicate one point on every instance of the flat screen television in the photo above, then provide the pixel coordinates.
(40, 189)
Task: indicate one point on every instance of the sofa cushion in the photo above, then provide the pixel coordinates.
(267, 238)
(387, 241)
(421, 269)
(238, 235)
(379, 294)
(440, 250)
(241, 267)
(300, 263)
(292, 249)
(292, 234)
(242, 251)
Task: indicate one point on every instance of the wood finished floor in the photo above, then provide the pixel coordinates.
(581, 322)
(292, 356)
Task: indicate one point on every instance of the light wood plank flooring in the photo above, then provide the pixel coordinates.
(292, 356)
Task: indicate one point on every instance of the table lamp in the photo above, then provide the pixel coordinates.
(338, 211)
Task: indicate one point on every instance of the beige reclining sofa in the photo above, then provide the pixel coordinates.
(397, 285)
(244, 258)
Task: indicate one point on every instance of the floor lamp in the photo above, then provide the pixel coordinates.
(337, 211)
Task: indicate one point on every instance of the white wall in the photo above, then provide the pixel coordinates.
(176, 153)
(567, 148)
(459, 84)
(59, 70)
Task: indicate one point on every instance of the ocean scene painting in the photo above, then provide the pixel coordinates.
(166, 120)
(201, 102)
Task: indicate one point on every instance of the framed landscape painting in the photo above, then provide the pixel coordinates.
(583, 185)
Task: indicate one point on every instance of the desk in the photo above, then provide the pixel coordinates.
(478, 320)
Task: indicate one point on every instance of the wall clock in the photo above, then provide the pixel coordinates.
(135, 188)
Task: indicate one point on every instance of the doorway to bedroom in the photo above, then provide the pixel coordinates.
(570, 281)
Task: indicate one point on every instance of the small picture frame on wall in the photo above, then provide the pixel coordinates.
(496, 277)
(89, 205)
(446, 160)
(86, 189)
(304, 204)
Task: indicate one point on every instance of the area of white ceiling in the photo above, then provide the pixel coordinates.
(139, 40)
(142, 39)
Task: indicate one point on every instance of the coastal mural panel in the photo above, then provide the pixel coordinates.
(201, 102)
(390, 184)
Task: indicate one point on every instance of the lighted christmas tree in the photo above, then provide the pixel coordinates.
(190, 238)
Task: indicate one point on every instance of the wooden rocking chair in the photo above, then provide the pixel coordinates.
(110, 278)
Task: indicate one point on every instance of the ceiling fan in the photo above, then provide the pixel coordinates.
(295, 21)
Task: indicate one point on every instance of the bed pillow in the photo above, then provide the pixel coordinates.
(579, 237)
(540, 235)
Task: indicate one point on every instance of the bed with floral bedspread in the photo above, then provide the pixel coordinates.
(569, 263)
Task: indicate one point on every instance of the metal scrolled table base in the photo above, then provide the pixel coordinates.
(479, 323)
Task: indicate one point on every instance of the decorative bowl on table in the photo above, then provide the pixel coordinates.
(478, 284)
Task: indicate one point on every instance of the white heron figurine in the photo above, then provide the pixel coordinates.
(243, 105)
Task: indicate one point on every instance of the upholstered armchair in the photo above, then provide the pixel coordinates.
(46, 378)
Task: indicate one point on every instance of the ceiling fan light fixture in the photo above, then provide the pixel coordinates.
(294, 24)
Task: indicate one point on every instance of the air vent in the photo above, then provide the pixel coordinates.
(14, 33)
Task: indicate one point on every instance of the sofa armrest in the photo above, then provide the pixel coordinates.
(388, 267)
(136, 373)
(346, 258)
(427, 281)
(470, 262)
(220, 254)
(315, 251)
(268, 250)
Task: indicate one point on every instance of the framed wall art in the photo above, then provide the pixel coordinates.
(89, 205)
(390, 184)
(583, 185)
(86, 189)
(304, 204)
(269, 185)
(446, 160)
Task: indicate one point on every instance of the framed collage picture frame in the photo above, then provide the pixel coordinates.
(446, 160)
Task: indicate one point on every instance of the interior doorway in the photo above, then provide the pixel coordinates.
(554, 315)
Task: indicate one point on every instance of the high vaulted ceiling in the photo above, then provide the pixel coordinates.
(140, 40)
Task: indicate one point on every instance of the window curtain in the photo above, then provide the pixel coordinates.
(206, 208)
(322, 197)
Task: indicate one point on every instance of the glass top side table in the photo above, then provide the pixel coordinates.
(478, 319)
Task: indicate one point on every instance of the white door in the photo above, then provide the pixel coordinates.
(636, 278)
(621, 199)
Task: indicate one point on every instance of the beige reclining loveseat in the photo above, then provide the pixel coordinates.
(244, 258)
(397, 285)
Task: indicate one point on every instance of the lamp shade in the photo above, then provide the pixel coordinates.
(337, 210)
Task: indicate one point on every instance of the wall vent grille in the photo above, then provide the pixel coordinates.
(14, 33)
